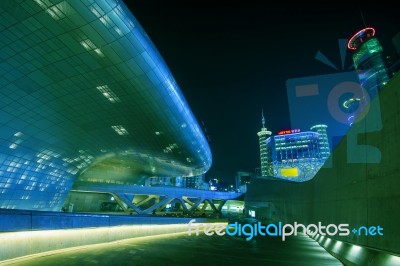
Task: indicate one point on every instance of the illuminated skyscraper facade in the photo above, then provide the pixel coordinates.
(297, 156)
(368, 60)
(322, 140)
(265, 153)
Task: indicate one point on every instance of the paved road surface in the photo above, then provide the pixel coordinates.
(181, 249)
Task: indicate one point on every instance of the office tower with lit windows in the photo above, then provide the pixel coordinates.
(323, 140)
(265, 153)
(369, 60)
(297, 156)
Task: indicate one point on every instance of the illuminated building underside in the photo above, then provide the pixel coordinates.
(297, 170)
(85, 96)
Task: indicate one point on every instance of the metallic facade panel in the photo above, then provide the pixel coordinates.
(83, 90)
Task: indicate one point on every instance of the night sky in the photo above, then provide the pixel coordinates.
(233, 60)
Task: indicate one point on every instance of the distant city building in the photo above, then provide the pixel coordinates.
(257, 171)
(323, 140)
(197, 182)
(265, 154)
(191, 182)
(218, 185)
(242, 180)
(296, 155)
(368, 60)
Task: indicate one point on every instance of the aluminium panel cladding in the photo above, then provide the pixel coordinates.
(80, 81)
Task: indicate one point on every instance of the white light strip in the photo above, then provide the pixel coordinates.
(56, 11)
(89, 46)
(120, 130)
(108, 93)
(126, 233)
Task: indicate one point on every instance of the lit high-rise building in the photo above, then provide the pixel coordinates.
(242, 180)
(265, 153)
(369, 60)
(323, 140)
(296, 155)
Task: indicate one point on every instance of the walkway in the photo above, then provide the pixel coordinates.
(181, 249)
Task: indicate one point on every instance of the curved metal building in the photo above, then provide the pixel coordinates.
(86, 96)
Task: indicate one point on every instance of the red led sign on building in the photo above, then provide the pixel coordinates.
(288, 131)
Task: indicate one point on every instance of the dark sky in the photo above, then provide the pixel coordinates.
(232, 60)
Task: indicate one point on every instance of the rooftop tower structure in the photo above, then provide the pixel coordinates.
(265, 154)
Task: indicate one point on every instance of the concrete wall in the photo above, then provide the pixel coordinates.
(361, 188)
(352, 255)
